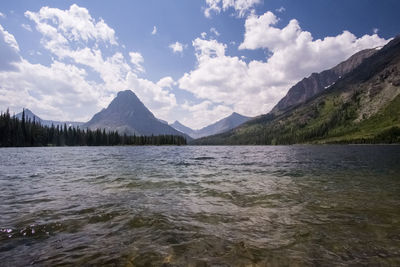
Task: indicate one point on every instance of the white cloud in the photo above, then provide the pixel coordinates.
(214, 31)
(27, 27)
(73, 25)
(159, 100)
(49, 91)
(375, 30)
(280, 10)
(154, 30)
(203, 35)
(115, 72)
(242, 7)
(254, 88)
(294, 52)
(137, 60)
(69, 88)
(225, 80)
(2, 15)
(177, 47)
(9, 39)
(208, 48)
(59, 91)
(166, 82)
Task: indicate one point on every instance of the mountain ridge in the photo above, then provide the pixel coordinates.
(318, 82)
(361, 107)
(220, 126)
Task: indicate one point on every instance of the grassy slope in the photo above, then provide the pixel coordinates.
(375, 129)
(327, 119)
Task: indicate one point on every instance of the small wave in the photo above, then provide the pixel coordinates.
(156, 221)
(33, 230)
(34, 201)
(182, 163)
(203, 158)
(103, 217)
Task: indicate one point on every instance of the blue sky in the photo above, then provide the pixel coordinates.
(192, 61)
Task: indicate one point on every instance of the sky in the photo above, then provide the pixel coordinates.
(194, 61)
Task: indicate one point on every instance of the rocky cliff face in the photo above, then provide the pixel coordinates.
(318, 82)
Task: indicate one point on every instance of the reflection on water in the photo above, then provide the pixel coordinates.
(179, 206)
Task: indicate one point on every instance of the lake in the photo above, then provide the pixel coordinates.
(200, 206)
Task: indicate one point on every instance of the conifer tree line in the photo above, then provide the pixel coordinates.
(27, 132)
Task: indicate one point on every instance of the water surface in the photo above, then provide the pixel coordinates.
(200, 206)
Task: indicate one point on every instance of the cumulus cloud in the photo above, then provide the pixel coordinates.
(254, 88)
(2, 15)
(154, 30)
(224, 79)
(137, 60)
(166, 82)
(206, 49)
(241, 7)
(80, 79)
(203, 35)
(159, 100)
(59, 90)
(75, 24)
(177, 47)
(46, 89)
(295, 52)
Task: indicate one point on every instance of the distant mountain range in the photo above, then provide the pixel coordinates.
(128, 115)
(220, 126)
(30, 115)
(358, 101)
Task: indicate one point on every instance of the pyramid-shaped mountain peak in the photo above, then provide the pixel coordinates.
(127, 114)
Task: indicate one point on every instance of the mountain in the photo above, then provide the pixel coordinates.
(162, 121)
(182, 128)
(318, 82)
(127, 114)
(30, 115)
(223, 125)
(361, 107)
(220, 126)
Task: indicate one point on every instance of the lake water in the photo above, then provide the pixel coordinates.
(200, 206)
